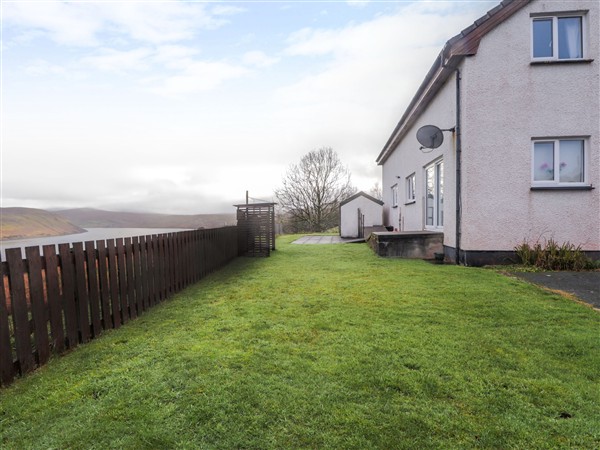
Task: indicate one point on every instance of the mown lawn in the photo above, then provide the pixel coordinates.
(327, 347)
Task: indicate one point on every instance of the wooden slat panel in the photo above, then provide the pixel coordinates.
(20, 311)
(7, 370)
(104, 285)
(168, 265)
(67, 271)
(194, 255)
(173, 262)
(81, 292)
(55, 309)
(130, 278)
(39, 312)
(94, 288)
(164, 267)
(137, 274)
(162, 263)
(122, 281)
(144, 272)
(178, 255)
(150, 243)
(114, 283)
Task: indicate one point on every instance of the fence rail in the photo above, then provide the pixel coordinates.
(54, 301)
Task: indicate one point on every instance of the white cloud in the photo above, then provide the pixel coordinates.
(227, 10)
(41, 67)
(89, 23)
(64, 23)
(119, 61)
(358, 3)
(257, 58)
(200, 76)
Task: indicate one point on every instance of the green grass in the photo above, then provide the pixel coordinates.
(327, 347)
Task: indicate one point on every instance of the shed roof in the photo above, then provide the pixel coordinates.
(359, 194)
(466, 43)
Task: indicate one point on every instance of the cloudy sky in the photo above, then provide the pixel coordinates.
(181, 106)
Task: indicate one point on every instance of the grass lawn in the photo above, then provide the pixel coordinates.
(327, 347)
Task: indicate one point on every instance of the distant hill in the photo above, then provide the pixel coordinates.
(97, 218)
(20, 223)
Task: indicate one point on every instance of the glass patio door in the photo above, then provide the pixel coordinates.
(434, 203)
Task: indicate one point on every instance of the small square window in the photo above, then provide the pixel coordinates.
(557, 38)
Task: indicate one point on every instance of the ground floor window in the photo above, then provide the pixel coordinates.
(410, 188)
(434, 188)
(558, 162)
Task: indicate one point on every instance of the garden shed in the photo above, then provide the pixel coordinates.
(358, 212)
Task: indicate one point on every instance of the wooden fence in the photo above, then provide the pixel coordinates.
(50, 303)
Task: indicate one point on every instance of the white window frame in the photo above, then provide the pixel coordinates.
(411, 187)
(435, 165)
(395, 196)
(556, 169)
(554, 17)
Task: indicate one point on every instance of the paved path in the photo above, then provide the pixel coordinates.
(324, 240)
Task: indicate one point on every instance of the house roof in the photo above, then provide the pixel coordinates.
(359, 194)
(466, 43)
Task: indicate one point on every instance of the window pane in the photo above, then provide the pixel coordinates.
(542, 38)
(410, 187)
(430, 176)
(440, 197)
(570, 42)
(571, 161)
(543, 161)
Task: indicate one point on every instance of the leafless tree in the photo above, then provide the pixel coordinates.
(376, 191)
(312, 191)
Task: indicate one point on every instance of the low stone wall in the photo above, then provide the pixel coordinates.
(407, 244)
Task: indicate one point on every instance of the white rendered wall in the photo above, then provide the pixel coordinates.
(372, 211)
(506, 102)
(408, 159)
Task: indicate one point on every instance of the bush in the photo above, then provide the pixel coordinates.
(554, 256)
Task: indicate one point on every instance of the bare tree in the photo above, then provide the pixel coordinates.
(312, 191)
(376, 191)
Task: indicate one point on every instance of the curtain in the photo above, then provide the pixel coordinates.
(569, 38)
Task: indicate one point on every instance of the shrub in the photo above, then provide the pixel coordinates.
(553, 256)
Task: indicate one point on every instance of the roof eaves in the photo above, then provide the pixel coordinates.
(359, 194)
(466, 43)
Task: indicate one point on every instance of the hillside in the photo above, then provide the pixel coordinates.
(19, 223)
(96, 218)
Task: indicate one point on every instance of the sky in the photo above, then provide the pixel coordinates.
(180, 107)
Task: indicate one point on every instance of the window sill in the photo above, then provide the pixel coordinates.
(561, 61)
(411, 202)
(588, 187)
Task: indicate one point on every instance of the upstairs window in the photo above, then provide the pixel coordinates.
(395, 196)
(559, 162)
(557, 38)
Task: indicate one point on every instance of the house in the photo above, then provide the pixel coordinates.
(517, 95)
(358, 212)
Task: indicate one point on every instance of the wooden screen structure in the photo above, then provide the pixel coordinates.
(256, 228)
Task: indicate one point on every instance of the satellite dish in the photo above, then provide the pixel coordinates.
(430, 136)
